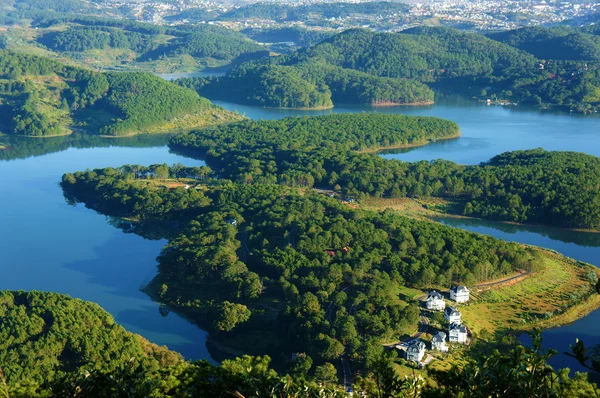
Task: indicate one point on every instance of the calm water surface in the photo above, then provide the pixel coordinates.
(49, 245)
(486, 131)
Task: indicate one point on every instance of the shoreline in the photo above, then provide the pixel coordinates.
(572, 315)
(431, 214)
(44, 136)
(406, 146)
(314, 108)
(515, 223)
(166, 131)
(392, 104)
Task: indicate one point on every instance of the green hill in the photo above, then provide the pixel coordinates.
(424, 54)
(559, 43)
(123, 44)
(43, 97)
(364, 67)
(360, 66)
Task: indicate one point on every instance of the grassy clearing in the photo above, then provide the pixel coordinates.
(543, 299)
(539, 300)
(547, 298)
(205, 118)
(418, 208)
(208, 117)
(93, 120)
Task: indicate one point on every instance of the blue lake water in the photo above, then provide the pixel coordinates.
(49, 245)
(486, 131)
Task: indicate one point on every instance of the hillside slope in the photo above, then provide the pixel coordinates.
(363, 67)
(43, 97)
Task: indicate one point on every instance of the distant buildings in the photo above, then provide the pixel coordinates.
(435, 301)
(460, 294)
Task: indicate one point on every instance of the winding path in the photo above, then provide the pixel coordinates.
(503, 281)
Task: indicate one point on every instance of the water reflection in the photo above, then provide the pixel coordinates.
(24, 147)
(579, 238)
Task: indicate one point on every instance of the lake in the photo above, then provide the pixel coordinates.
(49, 245)
(486, 131)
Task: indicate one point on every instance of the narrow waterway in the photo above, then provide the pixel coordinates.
(51, 246)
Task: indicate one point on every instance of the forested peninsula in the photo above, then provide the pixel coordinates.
(270, 267)
(43, 97)
(269, 270)
(535, 186)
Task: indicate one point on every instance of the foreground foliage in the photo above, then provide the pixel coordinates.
(524, 371)
(45, 336)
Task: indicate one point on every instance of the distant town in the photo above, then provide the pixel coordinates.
(466, 14)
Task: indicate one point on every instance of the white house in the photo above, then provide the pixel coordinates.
(415, 351)
(438, 342)
(452, 315)
(460, 294)
(458, 333)
(435, 301)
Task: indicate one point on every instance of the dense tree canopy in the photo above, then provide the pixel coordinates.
(331, 269)
(524, 371)
(301, 37)
(83, 38)
(112, 44)
(361, 66)
(312, 85)
(558, 43)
